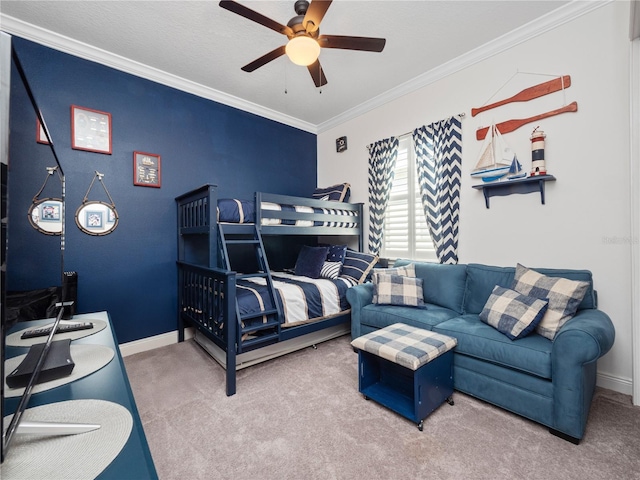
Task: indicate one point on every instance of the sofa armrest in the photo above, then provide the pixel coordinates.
(358, 297)
(591, 330)
(574, 354)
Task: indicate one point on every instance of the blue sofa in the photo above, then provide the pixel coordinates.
(549, 382)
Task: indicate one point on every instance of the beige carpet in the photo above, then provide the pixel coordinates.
(301, 417)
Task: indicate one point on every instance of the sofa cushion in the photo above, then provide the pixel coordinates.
(482, 278)
(531, 354)
(443, 283)
(397, 290)
(511, 313)
(380, 316)
(564, 296)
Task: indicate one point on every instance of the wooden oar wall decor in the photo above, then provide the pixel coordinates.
(525, 95)
(511, 125)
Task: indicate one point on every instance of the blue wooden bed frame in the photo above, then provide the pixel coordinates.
(206, 292)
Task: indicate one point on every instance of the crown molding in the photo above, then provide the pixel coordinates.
(68, 45)
(528, 31)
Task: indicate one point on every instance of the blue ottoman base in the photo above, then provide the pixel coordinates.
(414, 394)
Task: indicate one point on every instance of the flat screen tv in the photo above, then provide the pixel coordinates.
(5, 93)
(9, 59)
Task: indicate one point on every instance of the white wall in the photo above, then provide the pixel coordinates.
(585, 222)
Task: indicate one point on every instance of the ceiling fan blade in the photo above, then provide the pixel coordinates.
(254, 16)
(352, 43)
(315, 69)
(263, 60)
(315, 14)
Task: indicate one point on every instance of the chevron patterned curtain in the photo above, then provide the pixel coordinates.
(439, 158)
(382, 162)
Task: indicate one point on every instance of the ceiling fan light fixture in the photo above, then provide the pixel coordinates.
(302, 50)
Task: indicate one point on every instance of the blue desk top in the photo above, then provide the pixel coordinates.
(110, 383)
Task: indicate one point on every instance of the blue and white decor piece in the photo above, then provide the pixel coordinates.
(382, 162)
(439, 158)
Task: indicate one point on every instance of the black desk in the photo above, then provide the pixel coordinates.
(110, 383)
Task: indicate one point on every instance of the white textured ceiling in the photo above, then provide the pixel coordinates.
(201, 45)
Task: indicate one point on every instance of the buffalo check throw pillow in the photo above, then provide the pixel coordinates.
(511, 313)
(405, 271)
(564, 297)
(398, 290)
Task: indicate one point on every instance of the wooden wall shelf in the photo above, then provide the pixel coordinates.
(509, 187)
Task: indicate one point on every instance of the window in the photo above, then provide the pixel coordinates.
(405, 231)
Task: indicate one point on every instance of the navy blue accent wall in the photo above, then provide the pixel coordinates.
(131, 272)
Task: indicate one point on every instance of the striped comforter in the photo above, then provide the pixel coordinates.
(302, 299)
(232, 210)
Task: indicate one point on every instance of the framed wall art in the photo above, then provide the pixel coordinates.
(93, 218)
(146, 170)
(41, 137)
(90, 130)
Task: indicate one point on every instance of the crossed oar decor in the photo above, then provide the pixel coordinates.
(525, 95)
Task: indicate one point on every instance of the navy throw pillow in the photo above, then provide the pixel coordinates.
(336, 193)
(310, 261)
(336, 253)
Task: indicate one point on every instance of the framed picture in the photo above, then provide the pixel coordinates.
(146, 170)
(93, 219)
(41, 137)
(90, 130)
(50, 212)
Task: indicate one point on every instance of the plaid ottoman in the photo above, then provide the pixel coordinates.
(406, 369)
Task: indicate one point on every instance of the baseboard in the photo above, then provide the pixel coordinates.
(617, 384)
(150, 343)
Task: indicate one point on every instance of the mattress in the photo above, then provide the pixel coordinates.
(302, 299)
(231, 210)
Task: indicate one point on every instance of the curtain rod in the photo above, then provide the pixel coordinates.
(461, 115)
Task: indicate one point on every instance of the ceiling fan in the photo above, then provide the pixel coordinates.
(305, 41)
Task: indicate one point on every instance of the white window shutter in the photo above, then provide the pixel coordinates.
(406, 234)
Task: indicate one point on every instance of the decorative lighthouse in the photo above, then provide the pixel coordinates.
(538, 166)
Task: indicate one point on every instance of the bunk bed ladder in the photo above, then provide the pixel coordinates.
(257, 334)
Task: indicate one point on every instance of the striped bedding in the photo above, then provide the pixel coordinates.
(231, 210)
(302, 299)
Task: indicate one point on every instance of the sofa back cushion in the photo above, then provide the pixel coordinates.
(482, 278)
(443, 284)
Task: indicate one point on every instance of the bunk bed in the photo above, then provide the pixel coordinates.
(210, 293)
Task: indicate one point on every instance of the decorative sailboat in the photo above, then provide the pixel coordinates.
(496, 159)
(516, 170)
